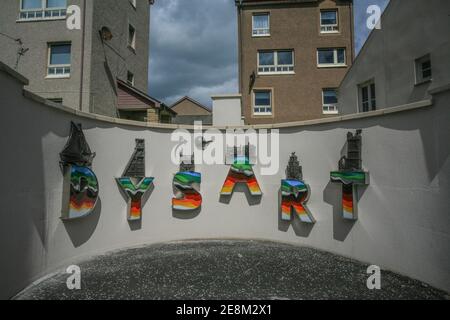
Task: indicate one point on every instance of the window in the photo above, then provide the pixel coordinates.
(368, 100)
(262, 102)
(131, 36)
(276, 62)
(59, 60)
(331, 57)
(56, 100)
(261, 25)
(329, 101)
(133, 3)
(329, 21)
(130, 78)
(42, 9)
(423, 69)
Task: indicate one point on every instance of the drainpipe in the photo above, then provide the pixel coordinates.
(83, 36)
(350, 5)
(239, 17)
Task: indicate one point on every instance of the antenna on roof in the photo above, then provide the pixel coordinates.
(20, 51)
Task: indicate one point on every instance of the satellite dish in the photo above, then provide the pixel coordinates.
(106, 34)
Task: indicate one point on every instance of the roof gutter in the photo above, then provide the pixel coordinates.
(83, 38)
(239, 18)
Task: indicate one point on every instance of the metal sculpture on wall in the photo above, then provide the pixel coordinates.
(351, 175)
(241, 171)
(134, 183)
(295, 193)
(80, 187)
(186, 184)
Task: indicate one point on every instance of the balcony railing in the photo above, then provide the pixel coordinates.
(43, 14)
(58, 71)
(330, 109)
(276, 69)
(332, 28)
(259, 32)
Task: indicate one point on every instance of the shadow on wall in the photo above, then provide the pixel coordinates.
(241, 188)
(332, 194)
(301, 229)
(182, 214)
(135, 225)
(81, 230)
(422, 120)
(419, 91)
(186, 215)
(24, 219)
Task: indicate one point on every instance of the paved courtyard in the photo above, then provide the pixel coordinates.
(227, 270)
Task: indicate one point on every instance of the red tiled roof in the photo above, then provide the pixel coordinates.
(130, 98)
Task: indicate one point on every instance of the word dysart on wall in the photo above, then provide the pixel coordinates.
(81, 188)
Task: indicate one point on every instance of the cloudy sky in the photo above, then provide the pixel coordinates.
(193, 47)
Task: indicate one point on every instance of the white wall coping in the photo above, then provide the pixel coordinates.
(13, 73)
(226, 96)
(371, 114)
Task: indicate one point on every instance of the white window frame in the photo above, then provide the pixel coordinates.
(65, 74)
(329, 108)
(368, 85)
(56, 100)
(336, 64)
(132, 75)
(31, 14)
(418, 71)
(258, 113)
(262, 34)
(131, 44)
(329, 28)
(275, 66)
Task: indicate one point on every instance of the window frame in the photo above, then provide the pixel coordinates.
(132, 44)
(418, 70)
(42, 10)
(133, 3)
(336, 64)
(335, 106)
(271, 106)
(253, 24)
(56, 100)
(335, 27)
(291, 67)
(371, 96)
(132, 75)
(63, 75)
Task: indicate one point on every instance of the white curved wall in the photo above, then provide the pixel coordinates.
(403, 221)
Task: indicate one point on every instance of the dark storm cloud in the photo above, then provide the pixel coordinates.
(193, 49)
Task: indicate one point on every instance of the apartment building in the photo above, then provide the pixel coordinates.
(86, 68)
(404, 62)
(293, 55)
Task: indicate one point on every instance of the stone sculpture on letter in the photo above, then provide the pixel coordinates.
(134, 183)
(351, 175)
(80, 187)
(186, 184)
(295, 193)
